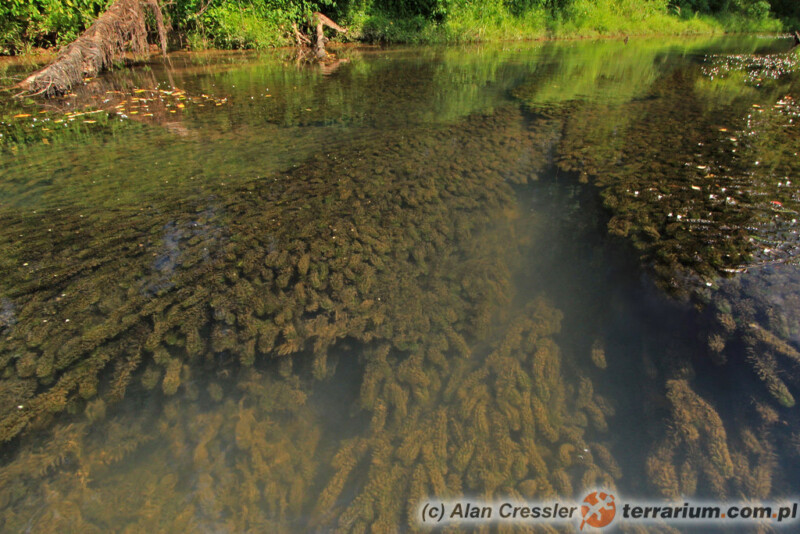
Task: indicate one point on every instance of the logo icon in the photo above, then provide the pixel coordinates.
(598, 509)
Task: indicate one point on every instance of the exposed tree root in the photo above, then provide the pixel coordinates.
(121, 28)
(319, 21)
(301, 38)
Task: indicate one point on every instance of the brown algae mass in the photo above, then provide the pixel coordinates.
(358, 246)
(287, 264)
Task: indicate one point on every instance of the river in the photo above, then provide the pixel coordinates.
(241, 293)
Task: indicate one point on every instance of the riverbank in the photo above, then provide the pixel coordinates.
(34, 24)
(600, 19)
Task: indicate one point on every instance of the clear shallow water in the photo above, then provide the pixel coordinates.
(241, 294)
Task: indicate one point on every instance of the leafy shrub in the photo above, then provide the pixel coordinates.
(44, 22)
(267, 23)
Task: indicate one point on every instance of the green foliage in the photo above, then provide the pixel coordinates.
(616, 17)
(242, 23)
(757, 9)
(234, 27)
(787, 9)
(44, 22)
(268, 23)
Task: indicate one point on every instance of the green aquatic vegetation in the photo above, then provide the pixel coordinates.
(754, 70)
(697, 436)
(702, 188)
(87, 462)
(696, 211)
(699, 457)
(760, 329)
(442, 426)
(477, 430)
(598, 355)
(442, 418)
(87, 302)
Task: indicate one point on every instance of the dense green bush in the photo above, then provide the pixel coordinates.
(758, 9)
(789, 10)
(242, 23)
(27, 23)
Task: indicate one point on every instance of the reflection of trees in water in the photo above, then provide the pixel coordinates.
(243, 117)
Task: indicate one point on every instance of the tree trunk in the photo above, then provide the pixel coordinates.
(122, 27)
(322, 21)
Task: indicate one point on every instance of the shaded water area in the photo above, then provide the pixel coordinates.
(241, 294)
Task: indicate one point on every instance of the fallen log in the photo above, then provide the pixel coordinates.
(121, 28)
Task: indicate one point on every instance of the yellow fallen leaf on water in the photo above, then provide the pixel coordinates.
(134, 112)
(139, 91)
(89, 122)
(45, 140)
(76, 114)
(723, 129)
(181, 105)
(22, 115)
(43, 111)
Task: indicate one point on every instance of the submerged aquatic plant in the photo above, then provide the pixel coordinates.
(100, 294)
(414, 266)
(703, 188)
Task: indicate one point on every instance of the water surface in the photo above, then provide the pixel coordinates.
(245, 294)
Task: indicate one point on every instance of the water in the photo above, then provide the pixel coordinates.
(240, 293)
